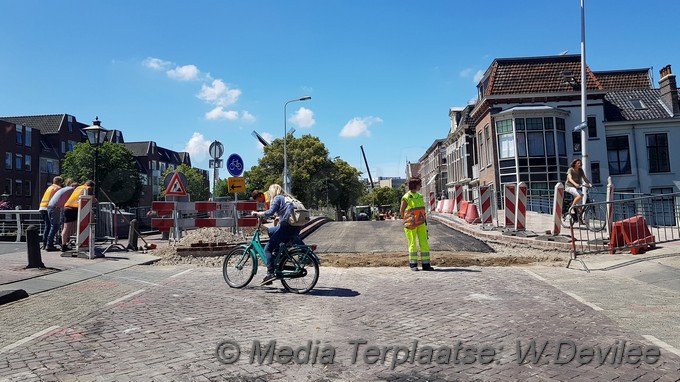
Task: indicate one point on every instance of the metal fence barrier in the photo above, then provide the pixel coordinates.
(13, 223)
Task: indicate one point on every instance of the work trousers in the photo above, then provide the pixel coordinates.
(418, 236)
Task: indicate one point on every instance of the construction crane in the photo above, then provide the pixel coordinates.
(367, 169)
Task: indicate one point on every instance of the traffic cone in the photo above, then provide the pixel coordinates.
(472, 215)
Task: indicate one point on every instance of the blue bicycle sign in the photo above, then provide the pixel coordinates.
(235, 165)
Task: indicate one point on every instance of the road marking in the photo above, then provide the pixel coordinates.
(659, 343)
(582, 301)
(124, 297)
(535, 275)
(181, 273)
(29, 338)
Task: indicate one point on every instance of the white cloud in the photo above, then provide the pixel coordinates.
(197, 147)
(303, 118)
(465, 73)
(184, 73)
(358, 126)
(219, 94)
(219, 113)
(156, 63)
(478, 76)
(247, 117)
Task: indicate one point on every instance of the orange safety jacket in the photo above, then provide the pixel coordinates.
(73, 200)
(48, 195)
(414, 214)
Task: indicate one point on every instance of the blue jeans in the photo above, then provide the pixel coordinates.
(277, 235)
(48, 226)
(54, 215)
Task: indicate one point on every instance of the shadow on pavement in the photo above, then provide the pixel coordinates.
(635, 261)
(333, 292)
(456, 270)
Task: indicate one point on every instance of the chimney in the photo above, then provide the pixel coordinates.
(668, 89)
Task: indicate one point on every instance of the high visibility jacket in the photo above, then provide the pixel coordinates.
(414, 214)
(48, 195)
(73, 200)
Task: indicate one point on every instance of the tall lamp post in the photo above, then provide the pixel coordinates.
(96, 135)
(286, 175)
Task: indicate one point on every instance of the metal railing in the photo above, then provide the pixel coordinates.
(633, 224)
(13, 223)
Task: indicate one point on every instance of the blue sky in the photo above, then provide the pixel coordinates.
(381, 73)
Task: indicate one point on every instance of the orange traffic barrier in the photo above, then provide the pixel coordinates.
(632, 232)
(463, 209)
(472, 215)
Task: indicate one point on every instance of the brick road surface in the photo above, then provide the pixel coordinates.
(164, 323)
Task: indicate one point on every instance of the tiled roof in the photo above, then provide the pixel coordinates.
(139, 149)
(47, 124)
(617, 105)
(625, 79)
(537, 75)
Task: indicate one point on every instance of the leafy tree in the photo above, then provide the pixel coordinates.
(316, 179)
(117, 178)
(196, 182)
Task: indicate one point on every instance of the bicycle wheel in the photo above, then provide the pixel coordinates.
(238, 267)
(595, 217)
(300, 271)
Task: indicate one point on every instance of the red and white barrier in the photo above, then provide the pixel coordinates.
(84, 230)
(440, 206)
(521, 207)
(509, 200)
(170, 212)
(485, 203)
(448, 206)
(558, 200)
(458, 196)
(432, 201)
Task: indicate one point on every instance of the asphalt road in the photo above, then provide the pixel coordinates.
(388, 236)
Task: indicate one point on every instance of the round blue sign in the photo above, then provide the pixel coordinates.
(235, 165)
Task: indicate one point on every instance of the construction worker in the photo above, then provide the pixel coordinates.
(54, 187)
(71, 212)
(55, 210)
(415, 225)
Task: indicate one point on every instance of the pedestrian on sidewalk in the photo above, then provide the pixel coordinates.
(415, 225)
(47, 195)
(55, 209)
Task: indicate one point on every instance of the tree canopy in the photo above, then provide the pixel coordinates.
(117, 177)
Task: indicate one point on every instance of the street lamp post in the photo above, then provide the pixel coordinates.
(96, 135)
(286, 175)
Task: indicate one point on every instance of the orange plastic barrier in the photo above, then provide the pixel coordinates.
(463, 209)
(632, 232)
(472, 215)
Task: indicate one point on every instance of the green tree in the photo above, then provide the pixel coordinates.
(316, 179)
(196, 182)
(118, 179)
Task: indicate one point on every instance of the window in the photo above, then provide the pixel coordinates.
(535, 143)
(592, 127)
(18, 161)
(618, 155)
(27, 162)
(27, 188)
(506, 146)
(20, 134)
(63, 147)
(70, 123)
(8, 186)
(576, 138)
(50, 167)
(29, 131)
(561, 143)
(550, 143)
(548, 123)
(505, 126)
(560, 124)
(521, 145)
(481, 150)
(488, 144)
(657, 152)
(595, 173)
(638, 104)
(534, 123)
(18, 189)
(71, 145)
(8, 161)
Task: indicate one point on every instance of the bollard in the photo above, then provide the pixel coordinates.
(132, 235)
(33, 247)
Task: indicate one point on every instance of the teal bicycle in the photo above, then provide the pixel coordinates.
(297, 267)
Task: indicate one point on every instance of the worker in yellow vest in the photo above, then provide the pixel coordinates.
(415, 225)
(71, 212)
(54, 187)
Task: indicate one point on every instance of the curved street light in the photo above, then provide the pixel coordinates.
(286, 175)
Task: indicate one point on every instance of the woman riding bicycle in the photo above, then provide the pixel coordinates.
(575, 178)
(281, 233)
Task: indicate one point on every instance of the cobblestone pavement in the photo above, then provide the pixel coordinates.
(164, 324)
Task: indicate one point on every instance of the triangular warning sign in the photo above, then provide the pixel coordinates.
(175, 186)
